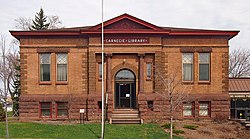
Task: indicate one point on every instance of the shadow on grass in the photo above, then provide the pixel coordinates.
(86, 125)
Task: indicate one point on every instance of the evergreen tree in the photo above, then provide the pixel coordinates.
(40, 22)
(17, 90)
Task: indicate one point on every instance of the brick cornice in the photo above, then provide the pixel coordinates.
(196, 49)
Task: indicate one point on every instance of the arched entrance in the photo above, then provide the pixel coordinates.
(125, 91)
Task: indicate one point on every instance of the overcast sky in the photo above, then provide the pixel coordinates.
(201, 14)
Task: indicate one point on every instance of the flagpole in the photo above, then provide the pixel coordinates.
(102, 76)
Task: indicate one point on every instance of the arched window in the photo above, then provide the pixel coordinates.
(125, 75)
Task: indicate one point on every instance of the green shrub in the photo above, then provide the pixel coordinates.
(167, 126)
(178, 132)
(2, 113)
(192, 127)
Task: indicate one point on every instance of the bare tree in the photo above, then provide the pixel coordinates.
(174, 91)
(24, 23)
(239, 63)
(4, 78)
(8, 68)
(54, 21)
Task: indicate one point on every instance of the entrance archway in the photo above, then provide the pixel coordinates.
(125, 89)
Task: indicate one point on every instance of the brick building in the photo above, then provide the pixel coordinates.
(61, 71)
(239, 91)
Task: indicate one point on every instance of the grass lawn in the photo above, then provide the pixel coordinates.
(88, 131)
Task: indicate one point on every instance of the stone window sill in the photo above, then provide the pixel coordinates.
(204, 82)
(61, 83)
(44, 83)
(188, 82)
(188, 117)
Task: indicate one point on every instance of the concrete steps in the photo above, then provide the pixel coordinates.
(125, 116)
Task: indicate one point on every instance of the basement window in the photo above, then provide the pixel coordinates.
(188, 109)
(62, 109)
(99, 104)
(150, 105)
(45, 109)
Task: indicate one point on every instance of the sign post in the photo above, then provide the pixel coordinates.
(82, 116)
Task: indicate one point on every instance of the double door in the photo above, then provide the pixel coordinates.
(125, 95)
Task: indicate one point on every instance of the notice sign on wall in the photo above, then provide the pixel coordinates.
(81, 110)
(116, 40)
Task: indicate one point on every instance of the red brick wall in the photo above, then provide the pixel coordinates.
(83, 89)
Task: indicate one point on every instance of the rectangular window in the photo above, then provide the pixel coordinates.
(100, 71)
(62, 109)
(45, 109)
(61, 61)
(151, 105)
(204, 66)
(149, 70)
(45, 67)
(99, 105)
(187, 61)
(204, 108)
(188, 109)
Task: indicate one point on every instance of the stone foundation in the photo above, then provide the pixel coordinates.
(160, 110)
(30, 111)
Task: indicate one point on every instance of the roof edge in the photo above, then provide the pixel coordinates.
(126, 16)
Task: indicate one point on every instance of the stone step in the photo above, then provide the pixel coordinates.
(125, 121)
(125, 111)
(132, 114)
(125, 115)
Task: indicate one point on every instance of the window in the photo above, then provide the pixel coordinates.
(204, 63)
(62, 60)
(204, 108)
(149, 70)
(187, 61)
(125, 75)
(150, 105)
(188, 109)
(62, 109)
(99, 105)
(45, 109)
(45, 67)
(100, 71)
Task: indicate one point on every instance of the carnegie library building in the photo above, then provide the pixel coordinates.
(61, 72)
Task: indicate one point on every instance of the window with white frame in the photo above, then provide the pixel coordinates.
(62, 60)
(204, 66)
(45, 66)
(204, 108)
(188, 109)
(187, 61)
